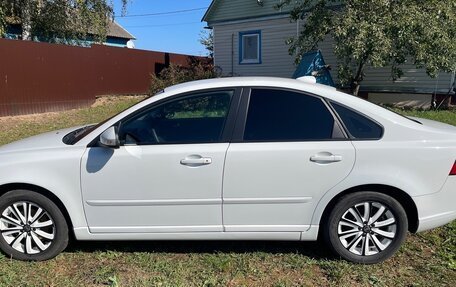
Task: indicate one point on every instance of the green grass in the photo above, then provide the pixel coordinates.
(448, 117)
(427, 259)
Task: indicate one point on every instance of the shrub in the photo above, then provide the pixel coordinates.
(197, 69)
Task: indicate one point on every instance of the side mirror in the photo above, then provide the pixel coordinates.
(110, 138)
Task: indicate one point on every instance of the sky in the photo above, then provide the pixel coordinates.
(177, 32)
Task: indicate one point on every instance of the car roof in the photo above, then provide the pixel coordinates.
(302, 85)
(246, 81)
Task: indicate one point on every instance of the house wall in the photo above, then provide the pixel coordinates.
(116, 42)
(15, 33)
(276, 61)
(379, 80)
(222, 10)
(413, 81)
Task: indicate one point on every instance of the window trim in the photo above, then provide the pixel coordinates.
(241, 47)
(227, 129)
(238, 135)
(344, 127)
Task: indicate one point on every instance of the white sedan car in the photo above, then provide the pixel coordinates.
(233, 159)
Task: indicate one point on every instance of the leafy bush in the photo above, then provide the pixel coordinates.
(197, 69)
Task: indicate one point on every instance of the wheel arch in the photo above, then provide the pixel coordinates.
(401, 196)
(43, 191)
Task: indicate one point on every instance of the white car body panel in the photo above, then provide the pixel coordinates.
(274, 186)
(45, 161)
(149, 184)
(222, 200)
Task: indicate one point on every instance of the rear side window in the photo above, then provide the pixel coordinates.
(277, 115)
(358, 125)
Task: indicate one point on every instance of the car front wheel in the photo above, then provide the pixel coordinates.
(366, 227)
(32, 227)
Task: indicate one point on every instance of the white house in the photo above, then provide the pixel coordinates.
(249, 40)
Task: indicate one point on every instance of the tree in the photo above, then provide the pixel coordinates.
(2, 22)
(207, 40)
(378, 33)
(59, 20)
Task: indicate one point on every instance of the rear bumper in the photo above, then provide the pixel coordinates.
(437, 209)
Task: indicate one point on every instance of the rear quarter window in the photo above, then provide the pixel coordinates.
(357, 125)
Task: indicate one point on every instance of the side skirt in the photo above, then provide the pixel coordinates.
(83, 233)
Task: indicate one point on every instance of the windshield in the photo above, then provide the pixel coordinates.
(77, 135)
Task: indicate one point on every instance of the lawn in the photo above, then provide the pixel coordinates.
(427, 259)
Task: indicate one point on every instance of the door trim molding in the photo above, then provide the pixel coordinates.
(156, 229)
(266, 228)
(273, 200)
(161, 202)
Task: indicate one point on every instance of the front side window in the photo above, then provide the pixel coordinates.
(278, 115)
(250, 47)
(198, 118)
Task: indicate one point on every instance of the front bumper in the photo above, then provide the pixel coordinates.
(437, 209)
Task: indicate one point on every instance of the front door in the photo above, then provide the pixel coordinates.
(167, 174)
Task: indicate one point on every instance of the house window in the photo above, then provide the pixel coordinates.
(250, 47)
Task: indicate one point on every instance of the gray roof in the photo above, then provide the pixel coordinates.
(115, 30)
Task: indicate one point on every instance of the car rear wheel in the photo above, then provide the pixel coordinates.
(32, 227)
(366, 227)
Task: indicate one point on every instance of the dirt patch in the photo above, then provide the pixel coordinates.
(103, 100)
(13, 128)
(11, 122)
(100, 101)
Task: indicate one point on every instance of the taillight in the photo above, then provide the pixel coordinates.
(453, 169)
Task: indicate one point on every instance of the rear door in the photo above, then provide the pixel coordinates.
(288, 150)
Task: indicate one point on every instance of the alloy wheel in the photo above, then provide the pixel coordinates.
(27, 227)
(367, 228)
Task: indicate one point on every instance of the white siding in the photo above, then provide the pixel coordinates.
(274, 52)
(379, 79)
(413, 80)
(277, 62)
(327, 50)
(227, 10)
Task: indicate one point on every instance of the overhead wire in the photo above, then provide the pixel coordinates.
(162, 25)
(161, 13)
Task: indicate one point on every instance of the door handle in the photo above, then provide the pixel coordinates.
(325, 157)
(196, 160)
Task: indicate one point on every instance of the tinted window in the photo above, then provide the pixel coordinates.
(199, 118)
(276, 115)
(358, 125)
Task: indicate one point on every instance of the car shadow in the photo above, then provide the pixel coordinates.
(316, 250)
(98, 158)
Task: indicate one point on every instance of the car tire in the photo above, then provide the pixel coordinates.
(366, 227)
(32, 227)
